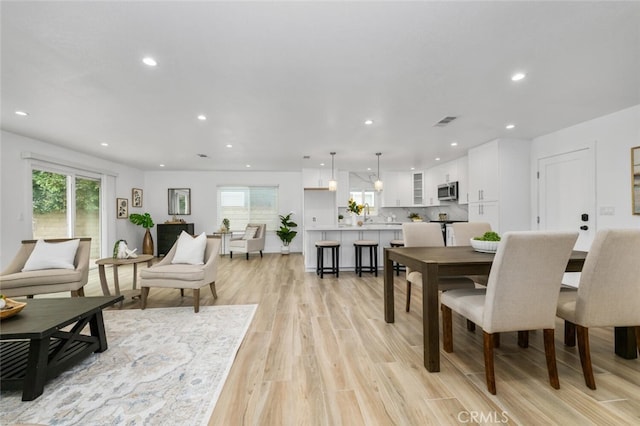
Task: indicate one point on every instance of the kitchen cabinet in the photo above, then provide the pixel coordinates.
(398, 189)
(432, 178)
(463, 180)
(499, 184)
(418, 188)
(342, 194)
(316, 178)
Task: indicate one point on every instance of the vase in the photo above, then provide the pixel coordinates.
(354, 220)
(147, 243)
(285, 250)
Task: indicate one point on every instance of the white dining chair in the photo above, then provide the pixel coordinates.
(522, 294)
(463, 232)
(421, 234)
(608, 293)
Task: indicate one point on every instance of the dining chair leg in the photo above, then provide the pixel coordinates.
(182, 292)
(408, 295)
(550, 354)
(496, 340)
(523, 338)
(196, 300)
(144, 293)
(569, 334)
(488, 362)
(212, 286)
(585, 356)
(638, 337)
(447, 329)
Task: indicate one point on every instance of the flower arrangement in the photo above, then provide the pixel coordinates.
(415, 217)
(354, 208)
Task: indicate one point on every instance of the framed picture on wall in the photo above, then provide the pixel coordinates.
(136, 197)
(122, 208)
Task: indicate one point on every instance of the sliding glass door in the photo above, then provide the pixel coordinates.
(66, 204)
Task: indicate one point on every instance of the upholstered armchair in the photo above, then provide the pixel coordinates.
(171, 272)
(46, 279)
(252, 240)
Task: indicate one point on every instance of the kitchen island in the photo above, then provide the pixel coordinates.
(382, 233)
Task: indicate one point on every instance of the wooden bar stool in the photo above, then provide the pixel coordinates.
(396, 266)
(335, 258)
(373, 256)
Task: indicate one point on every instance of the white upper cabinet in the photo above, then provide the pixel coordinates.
(432, 178)
(463, 180)
(499, 184)
(398, 189)
(418, 188)
(316, 178)
(343, 192)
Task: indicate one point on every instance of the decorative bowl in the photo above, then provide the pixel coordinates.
(12, 308)
(484, 246)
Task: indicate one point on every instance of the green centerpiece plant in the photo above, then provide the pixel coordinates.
(146, 222)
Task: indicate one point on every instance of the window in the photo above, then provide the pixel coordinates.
(366, 197)
(248, 204)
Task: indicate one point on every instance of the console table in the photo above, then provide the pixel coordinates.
(34, 348)
(167, 234)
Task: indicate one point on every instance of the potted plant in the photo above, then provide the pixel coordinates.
(146, 222)
(226, 224)
(285, 232)
(415, 217)
(340, 218)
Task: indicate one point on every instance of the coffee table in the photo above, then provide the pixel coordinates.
(34, 348)
(118, 262)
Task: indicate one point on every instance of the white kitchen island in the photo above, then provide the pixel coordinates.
(383, 233)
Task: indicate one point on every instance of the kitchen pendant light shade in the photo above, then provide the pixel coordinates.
(378, 183)
(333, 184)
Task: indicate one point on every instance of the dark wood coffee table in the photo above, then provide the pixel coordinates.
(34, 349)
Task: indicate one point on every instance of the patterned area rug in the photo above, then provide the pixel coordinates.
(163, 366)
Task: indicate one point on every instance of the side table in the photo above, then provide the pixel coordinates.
(115, 263)
(224, 236)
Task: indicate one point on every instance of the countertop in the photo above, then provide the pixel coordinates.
(367, 227)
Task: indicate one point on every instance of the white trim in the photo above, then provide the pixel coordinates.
(27, 155)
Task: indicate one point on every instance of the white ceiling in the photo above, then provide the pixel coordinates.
(281, 80)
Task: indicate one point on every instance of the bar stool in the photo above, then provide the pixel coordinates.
(335, 258)
(397, 266)
(373, 256)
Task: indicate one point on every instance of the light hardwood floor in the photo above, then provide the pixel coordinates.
(319, 353)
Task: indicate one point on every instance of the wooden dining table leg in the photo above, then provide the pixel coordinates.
(388, 288)
(430, 312)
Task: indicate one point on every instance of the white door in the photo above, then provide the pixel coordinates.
(566, 194)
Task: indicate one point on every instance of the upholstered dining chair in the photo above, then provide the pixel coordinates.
(252, 240)
(608, 294)
(421, 234)
(522, 294)
(175, 271)
(48, 274)
(463, 232)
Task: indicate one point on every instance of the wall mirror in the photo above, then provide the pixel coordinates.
(179, 201)
(635, 179)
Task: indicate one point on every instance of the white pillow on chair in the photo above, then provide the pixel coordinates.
(52, 255)
(190, 249)
(250, 232)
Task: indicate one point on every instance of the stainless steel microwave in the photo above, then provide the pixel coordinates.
(448, 191)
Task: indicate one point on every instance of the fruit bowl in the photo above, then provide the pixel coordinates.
(12, 308)
(484, 246)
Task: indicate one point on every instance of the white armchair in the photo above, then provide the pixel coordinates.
(252, 240)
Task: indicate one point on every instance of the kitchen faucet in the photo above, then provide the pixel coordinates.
(366, 211)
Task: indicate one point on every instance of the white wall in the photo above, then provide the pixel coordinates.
(613, 136)
(15, 192)
(204, 186)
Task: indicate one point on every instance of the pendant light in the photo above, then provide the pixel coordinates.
(333, 185)
(378, 184)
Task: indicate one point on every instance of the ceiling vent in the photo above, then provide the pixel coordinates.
(444, 121)
(202, 155)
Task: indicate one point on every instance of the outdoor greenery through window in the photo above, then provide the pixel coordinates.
(248, 204)
(365, 197)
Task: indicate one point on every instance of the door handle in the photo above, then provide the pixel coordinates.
(584, 227)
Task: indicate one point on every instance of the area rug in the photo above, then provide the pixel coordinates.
(163, 366)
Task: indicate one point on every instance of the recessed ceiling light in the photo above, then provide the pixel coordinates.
(437, 158)
(518, 76)
(149, 61)
(368, 169)
(161, 165)
(248, 165)
(510, 126)
(104, 144)
(368, 122)
(454, 143)
(202, 117)
(413, 168)
(21, 113)
(229, 145)
(322, 164)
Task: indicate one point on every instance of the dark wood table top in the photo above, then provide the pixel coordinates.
(42, 317)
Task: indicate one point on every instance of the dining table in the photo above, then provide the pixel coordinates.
(437, 262)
